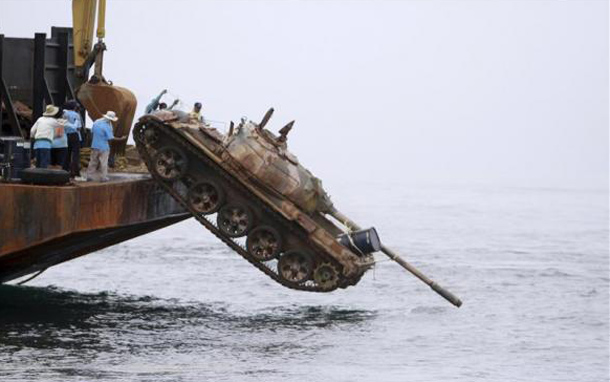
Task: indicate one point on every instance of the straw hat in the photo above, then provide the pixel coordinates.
(111, 115)
(50, 111)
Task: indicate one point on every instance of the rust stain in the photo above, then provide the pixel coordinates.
(33, 214)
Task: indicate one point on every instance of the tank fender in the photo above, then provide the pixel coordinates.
(293, 213)
(342, 254)
(322, 238)
(290, 210)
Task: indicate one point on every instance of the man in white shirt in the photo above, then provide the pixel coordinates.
(46, 128)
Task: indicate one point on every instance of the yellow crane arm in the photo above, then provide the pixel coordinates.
(96, 94)
(83, 22)
(101, 20)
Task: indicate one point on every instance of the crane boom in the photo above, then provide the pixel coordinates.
(101, 20)
(96, 94)
(83, 23)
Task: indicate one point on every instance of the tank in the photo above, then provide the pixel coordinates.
(250, 191)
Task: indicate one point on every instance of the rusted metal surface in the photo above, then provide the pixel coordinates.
(263, 167)
(268, 159)
(39, 257)
(33, 215)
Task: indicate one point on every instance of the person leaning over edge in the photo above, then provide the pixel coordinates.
(43, 132)
(100, 149)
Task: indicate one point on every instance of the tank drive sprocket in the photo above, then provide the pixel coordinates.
(326, 276)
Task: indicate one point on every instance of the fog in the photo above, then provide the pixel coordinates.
(508, 93)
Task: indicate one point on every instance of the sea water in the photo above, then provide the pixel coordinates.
(530, 264)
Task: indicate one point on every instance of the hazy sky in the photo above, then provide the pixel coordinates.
(481, 92)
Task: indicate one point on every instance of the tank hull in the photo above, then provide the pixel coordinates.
(43, 226)
(182, 157)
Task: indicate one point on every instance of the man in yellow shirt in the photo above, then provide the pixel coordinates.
(196, 113)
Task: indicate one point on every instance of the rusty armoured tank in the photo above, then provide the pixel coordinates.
(254, 195)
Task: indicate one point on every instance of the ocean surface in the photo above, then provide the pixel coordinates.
(531, 266)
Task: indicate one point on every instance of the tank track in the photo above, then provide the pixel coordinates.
(173, 188)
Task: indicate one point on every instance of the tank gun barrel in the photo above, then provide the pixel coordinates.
(394, 256)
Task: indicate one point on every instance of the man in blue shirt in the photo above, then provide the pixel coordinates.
(156, 104)
(73, 134)
(100, 149)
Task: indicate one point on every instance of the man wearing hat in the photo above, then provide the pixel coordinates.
(100, 149)
(46, 128)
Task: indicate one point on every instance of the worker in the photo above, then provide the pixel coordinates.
(196, 113)
(85, 133)
(43, 133)
(100, 149)
(154, 104)
(59, 148)
(73, 130)
(173, 105)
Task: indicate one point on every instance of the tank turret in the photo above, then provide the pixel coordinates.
(267, 157)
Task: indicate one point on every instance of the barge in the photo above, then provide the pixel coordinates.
(41, 226)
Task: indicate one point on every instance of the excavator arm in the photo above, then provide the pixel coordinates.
(86, 52)
(83, 23)
(97, 94)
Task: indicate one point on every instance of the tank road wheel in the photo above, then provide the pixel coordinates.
(326, 276)
(138, 132)
(264, 243)
(294, 266)
(150, 135)
(234, 220)
(170, 163)
(205, 197)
